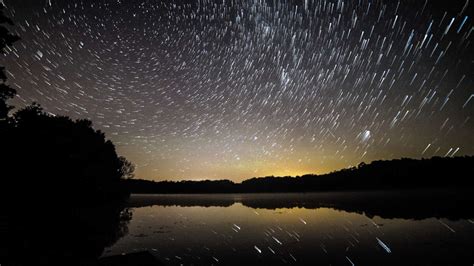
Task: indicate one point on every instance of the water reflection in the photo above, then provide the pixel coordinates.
(376, 228)
(59, 235)
(309, 229)
(413, 204)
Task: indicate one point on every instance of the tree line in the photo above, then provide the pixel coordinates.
(405, 173)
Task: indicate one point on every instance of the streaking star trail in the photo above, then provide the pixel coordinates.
(235, 89)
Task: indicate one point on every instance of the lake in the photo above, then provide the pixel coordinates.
(346, 228)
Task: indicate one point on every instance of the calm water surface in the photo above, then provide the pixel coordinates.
(301, 229)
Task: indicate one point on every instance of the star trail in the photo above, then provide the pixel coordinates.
(235, 89)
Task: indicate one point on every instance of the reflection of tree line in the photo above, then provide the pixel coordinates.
(62, 235)
(61, 182)
(412, 204)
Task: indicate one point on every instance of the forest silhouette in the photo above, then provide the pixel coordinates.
(45, 154)
(436, 172)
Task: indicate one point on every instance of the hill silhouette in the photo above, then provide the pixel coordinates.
(437, 172)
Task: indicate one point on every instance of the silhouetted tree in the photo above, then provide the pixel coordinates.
(54, 155)
(127, 170)
(65, 185)
(61, 184)
(6, 39)
(43, 153)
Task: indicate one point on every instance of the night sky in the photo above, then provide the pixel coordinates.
(236, 89)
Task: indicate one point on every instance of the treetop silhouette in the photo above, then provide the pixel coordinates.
(43, 154)
(62, 181)
(6, 39)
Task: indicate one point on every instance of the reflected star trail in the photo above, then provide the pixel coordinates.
(235, 89)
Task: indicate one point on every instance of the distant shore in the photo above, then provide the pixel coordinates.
(436, 172)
